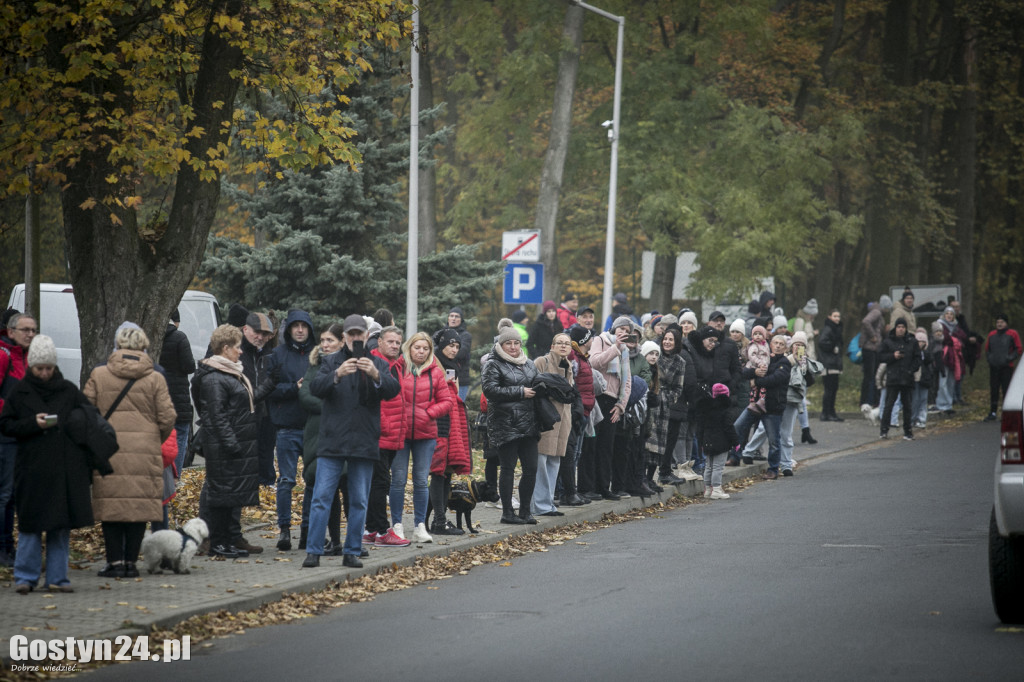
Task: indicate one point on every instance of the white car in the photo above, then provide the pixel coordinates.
(1006, 528)
(199, 311)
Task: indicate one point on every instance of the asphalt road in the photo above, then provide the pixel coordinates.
(866, 566)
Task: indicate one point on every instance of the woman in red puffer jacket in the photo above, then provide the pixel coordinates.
(426, 397)
(392, 439)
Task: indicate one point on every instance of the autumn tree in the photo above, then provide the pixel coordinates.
(129, 108)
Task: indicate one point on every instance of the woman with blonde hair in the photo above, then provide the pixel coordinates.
(135, 397)
(552, 445)
(426, 397)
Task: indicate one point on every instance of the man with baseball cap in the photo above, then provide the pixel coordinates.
(352, 383)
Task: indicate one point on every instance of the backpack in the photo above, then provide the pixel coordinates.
(853, 350)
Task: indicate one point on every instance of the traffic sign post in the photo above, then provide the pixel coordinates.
(524, 283)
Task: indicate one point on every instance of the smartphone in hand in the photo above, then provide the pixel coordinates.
(357, 349)
(449, 374)
(50, 420)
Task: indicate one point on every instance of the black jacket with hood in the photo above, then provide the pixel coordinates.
(286, 365)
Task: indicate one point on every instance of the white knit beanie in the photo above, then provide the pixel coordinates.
(738, 326)
(42, 351)
(648, 347)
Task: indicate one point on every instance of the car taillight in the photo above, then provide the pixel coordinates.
(1010, 443)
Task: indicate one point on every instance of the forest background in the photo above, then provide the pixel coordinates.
(841, 147)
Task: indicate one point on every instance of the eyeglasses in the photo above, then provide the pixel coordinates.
(26, 330)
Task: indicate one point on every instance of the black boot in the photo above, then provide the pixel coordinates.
(806, 436)
(284, 542)
(303, 530)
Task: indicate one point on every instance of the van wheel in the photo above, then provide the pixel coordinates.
(1006, 573)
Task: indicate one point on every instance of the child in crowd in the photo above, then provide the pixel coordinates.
(923, 379)
(757, 356)
(718, 438)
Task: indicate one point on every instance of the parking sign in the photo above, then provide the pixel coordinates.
(524, 283)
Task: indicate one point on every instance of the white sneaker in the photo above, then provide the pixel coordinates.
(421, 534)
(399, 531)
(515, 502)
(492, 505)
(707, 491)
(687, 473)
(719, 494)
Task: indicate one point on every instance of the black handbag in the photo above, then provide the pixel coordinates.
(87, 429)
(193, 448)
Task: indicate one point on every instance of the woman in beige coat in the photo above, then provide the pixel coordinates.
(125, 500)
(553, 443)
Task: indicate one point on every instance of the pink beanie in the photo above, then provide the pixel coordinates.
(718, 390)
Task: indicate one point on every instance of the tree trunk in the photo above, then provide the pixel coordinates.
(662, 281)
(966, 163)
(558, 146)
(428, 174)
(117, 274)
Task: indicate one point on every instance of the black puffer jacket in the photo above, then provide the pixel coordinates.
(900, 372)
(829, 341)
(509, 415)
(228, 437)
(776, 381)
(718, 366)
(178, 363)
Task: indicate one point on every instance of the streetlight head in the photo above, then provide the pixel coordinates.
(608, 124)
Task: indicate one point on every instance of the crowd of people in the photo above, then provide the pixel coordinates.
(584, 413)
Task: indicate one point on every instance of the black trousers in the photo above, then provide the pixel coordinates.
(266, 442)
(605, 446)
(380, 484)
(586, 467)
(828, 402)
(523, 450)
(218, 519)
(998, 379)
(623, 477)
(906, 394)
(234, 523)
(567, 467)
(868, 390)
(123, 540)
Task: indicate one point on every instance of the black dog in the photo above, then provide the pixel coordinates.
(462, 500)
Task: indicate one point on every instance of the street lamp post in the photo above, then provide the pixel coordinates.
(613, 134)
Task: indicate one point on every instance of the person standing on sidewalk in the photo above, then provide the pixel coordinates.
(457, 321)
(287, 365)
(553, 443)
(902, 358)
(830, 354)
(352, 385)
(872, 333)
(21, 329)
(176, 358)
(1002, 350)
(717, 437)
(609, 356)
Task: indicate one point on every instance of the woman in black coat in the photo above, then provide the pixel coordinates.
(544, 329)
(52, 475)
(511, 419)
(830, 353)
(226, 402)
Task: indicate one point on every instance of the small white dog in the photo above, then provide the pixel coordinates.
(176, 546)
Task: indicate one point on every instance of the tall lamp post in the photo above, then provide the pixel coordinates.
(412, 269)
(613, 135)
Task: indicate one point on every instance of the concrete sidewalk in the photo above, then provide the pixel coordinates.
(103, 608)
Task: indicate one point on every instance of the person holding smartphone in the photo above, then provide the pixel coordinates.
(452, 454)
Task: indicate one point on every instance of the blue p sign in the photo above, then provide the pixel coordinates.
(524, 283)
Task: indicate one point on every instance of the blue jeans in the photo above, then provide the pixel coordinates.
(422, 454)
(920, 404)
(463, 392)
(772, 426)
(28, 561)
(543, 493)
(182, 429)
(289, 449)
(755, 442)
(328, 473)
(947, 391)
(789, 417)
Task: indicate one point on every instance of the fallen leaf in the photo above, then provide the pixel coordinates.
(51, 607)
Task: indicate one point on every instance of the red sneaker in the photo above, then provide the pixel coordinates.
(390, 539)
(369, 538)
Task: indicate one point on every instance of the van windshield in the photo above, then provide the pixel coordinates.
(60, 319)
(197, 323)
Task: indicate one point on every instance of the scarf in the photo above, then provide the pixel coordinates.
(222, 364)
(500, 352)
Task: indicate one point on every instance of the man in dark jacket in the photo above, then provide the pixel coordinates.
(1002, 350)
(457, 322)
(287, 365)
(178, 362)
(775, 379)
(257, 332)
(902, 358)
(19, 330)
(352, 385)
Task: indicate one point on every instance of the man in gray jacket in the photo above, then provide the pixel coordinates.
(872, 332)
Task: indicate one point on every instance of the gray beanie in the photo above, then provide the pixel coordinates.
(669, 319)
(621, 321)
(42, 351)
(689, 316)
(812, 307)
(506, 332)
(884, 302)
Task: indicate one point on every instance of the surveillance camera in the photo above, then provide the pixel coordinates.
(608, 124)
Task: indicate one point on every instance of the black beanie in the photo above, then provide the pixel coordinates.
(237, 314)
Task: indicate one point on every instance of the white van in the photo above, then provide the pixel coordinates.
(199, 311)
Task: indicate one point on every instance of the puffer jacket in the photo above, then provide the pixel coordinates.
(510, 416)
(584, 381)
(776, 381)
(393, 426)
(1002, 348)
(228, 436)
(830, 347)
(452, 454)
(143, 420)
(312, 405)
(718, 366)
(425, 397)
(287, 364)
(176, 357)
(872, 329)
(900, 372)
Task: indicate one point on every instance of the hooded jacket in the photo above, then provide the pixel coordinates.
(176, 357)
(465, 344)
(830, 347)
(1003, 348)
(900, 372)
(143, 420)
(287, 364)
